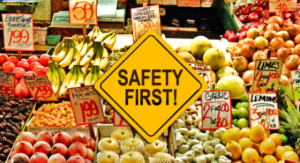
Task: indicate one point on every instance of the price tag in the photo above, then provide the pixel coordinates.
(7, 84)
(204, 71)
(83, 12)
(263, 109)
(267, 74)
(189, 3)
(287, 161)
(119, 121)
(216, 110)
(40, 88)
(296, 86)
(86, 104)
(283, 5)
(144, 18)
(164, 2)
(18, 32)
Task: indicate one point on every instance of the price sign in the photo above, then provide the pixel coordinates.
(144, 18)
(204, 71)
(83, 12)
(40, 88)
(189, 3)
(18, 32)
(164, 2)
(282, 5)
(263, 109)
(296, 86)
(287, 161)
(7, 84)
(216, 110)
(119, 121)
(267, 74)
(86, 104)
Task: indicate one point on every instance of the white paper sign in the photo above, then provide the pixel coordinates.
(263, 109)
(296, 87)
(282, 5)
(204, 71)
(18, 32)
(216, 110)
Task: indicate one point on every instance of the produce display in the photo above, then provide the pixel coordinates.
(45, 148)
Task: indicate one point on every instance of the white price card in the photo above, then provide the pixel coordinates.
(263, 109)
(83, 12)
(119, 121)
(204, 71)
(18, 32)
(282, 5)
(216, 110)
(296, 86)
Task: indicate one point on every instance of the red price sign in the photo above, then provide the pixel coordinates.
(216, 110)
(18, 32)
(263, 109)
(40, 88)
(119, 121)
(83, 12)
(204, 71)
(7, 84)
(267, 74)
(86, 104)
(282, 5)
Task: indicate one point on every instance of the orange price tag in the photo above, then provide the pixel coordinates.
(7, 84)
(83, 12)
(86, 104)
(119, 121)
(282, 5)
(40, 88)
(189, 3)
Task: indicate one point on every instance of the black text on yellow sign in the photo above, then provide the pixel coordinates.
(150, 86)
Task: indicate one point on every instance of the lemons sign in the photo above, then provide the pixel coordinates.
(150, 86)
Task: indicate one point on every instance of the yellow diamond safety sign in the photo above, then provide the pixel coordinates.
(150, 86)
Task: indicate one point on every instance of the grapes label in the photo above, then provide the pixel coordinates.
(267, 75)
(40, 88)
(144, 18)
(282, 5)
(216, 110)
(83, 12)
(204, 71)
(18, 32)
(119, 121)
(263, 109)
(86, 104)
(7, 84)
(296, 86)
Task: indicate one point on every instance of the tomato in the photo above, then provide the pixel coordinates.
(46, 69)
(19, 72)
(32, 65)
(3, 58)
(39, 70)
(16, 81)
(8, 66)
(21, 90)
(21, 81)
(24, 64)
(29, 73)
(33, 58)
(44, 59)
(13, 59)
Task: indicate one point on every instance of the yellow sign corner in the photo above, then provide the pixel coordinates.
(150, 86)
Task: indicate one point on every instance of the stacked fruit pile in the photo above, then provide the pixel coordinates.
(13, 114)
(60, 148)
(240, 113)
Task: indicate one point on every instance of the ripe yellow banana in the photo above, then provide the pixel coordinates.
(80, 46)
(100, 73)
(61, 72)
(104, 59)
(98, 33)
(110, 43)
(57, 49)
(76, 58)
(81, 77)
(87, 45)
(61, 55)
(63, 88)
(85, 68)
(98, 53)
(74, 78)
(91, 34)
(68, 59)
(50, 72)
(95, 75)
(103, 36)
(88, 57)
(75, 42)
(56, 82)
(89, 77)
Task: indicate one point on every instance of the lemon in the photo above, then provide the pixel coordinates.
(245, 132)
(267, 147)
(279, 151)
(235, 149)
(231, 134)
(250, 155)
(290, 155)
(257, 133)
(245, 143)
(269, 159)
(276, 138)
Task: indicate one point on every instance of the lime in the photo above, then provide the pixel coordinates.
(243, 113)
(281, 130)
(234, 113)
(235, 122)
(238, 105)
(243, 123)
(245, 105)
(285, 140)
(244, 97)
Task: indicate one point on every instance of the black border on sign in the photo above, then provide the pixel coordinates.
(175, 59)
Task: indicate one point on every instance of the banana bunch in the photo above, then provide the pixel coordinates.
(56, 76)
(108, 39)
(93, 76)
(78, 38)
(95, 32)
(74, 78)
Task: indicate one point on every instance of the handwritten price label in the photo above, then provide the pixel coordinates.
(189, 3)
(18, 32)
(216, 110)
(86, 104)
(7, 84)
(164, 2)
(263, 109)
(267, 74)
(83, 12)
(282, 5)
(144, 18)
(119, 121)
(204, 71)
(40, 88)
(296, 86)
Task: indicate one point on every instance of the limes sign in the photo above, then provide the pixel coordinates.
(150, 86)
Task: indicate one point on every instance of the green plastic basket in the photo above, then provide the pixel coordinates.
(53, 39)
